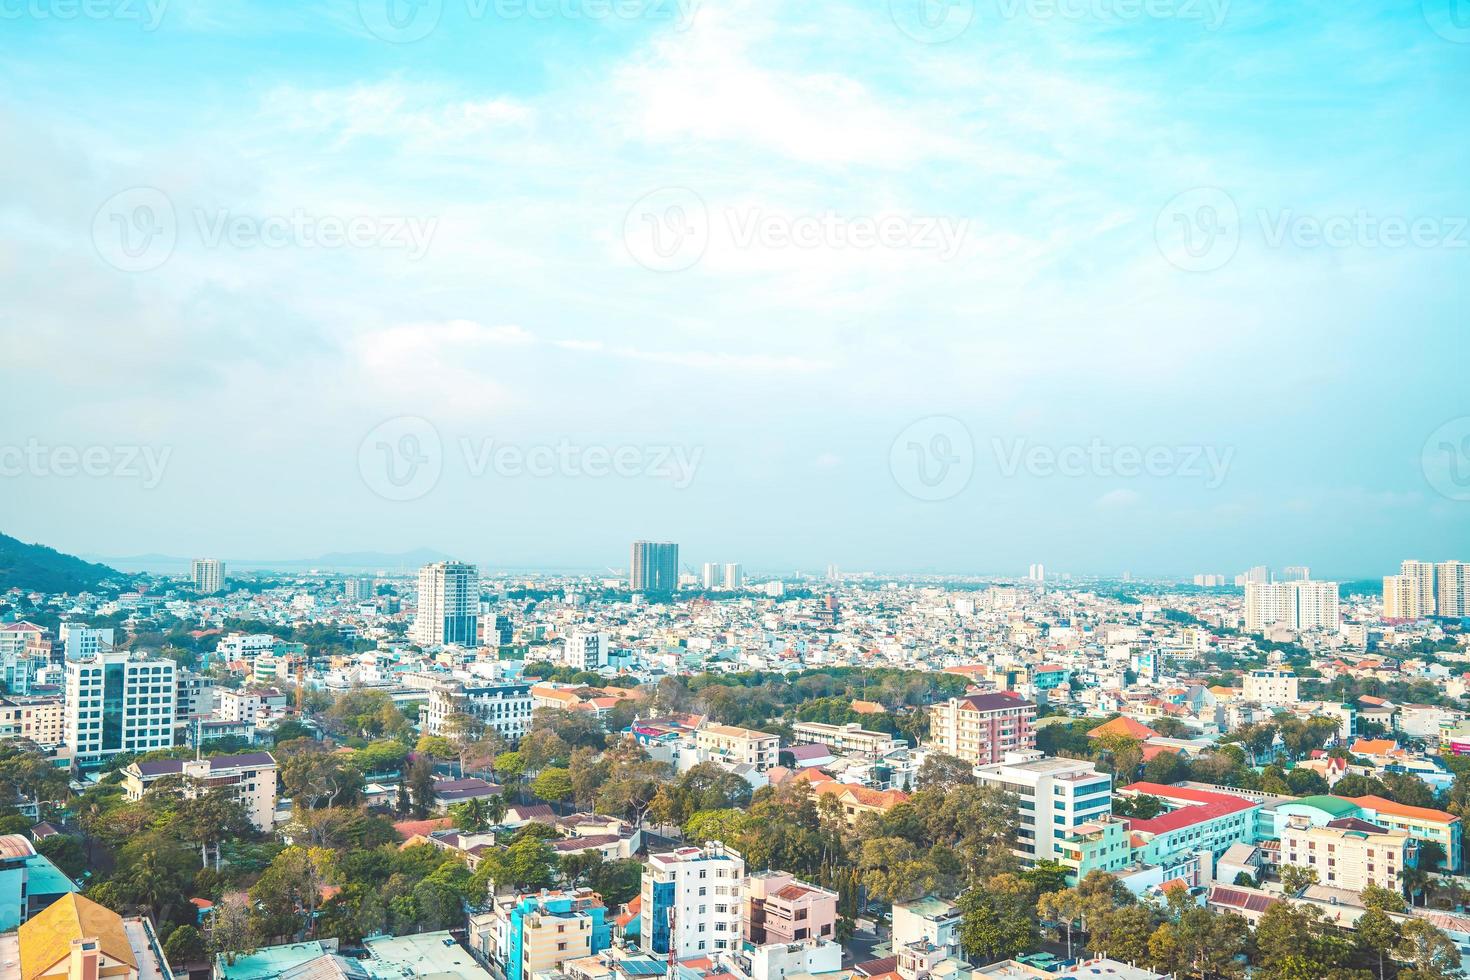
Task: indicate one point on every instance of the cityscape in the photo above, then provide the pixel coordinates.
(678, 769)
(734, 490)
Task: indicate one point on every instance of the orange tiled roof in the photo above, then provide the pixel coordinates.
(1123, 726)
(1381, 805)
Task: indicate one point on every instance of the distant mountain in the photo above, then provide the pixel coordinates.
(42, 569)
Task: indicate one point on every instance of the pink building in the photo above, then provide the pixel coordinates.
(781, 909)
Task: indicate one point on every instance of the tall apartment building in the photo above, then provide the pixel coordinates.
(208, 575)
(1056, 797)
(250, 778)
(691, 901)
(358, 589)
(1296, 573)
(781, 909)
(115, 703)
(1294, 605)
(1348, 853)
(1420, 575)
(448, 605)
(1400, 600)
(1452, 589)
(982, 728)
(654, 567)
(726, 577)
(505, 707)
(1411, 594)
(586, 651)
(1271, 686)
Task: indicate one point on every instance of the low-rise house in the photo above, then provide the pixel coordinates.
(781, 909)
(74, 938)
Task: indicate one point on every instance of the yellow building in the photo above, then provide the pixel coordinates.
(74, 938)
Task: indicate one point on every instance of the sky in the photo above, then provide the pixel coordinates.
(1159, 286)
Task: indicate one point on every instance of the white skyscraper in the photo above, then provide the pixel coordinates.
(712, 577)
(1036, 573)
(448, 605)
(208, 575)
(1453, 588)
(734, 577)
(115, 703)
(1294, 605)
(1421, 584)
(1411, 593)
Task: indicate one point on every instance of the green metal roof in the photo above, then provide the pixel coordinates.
(1335, 805)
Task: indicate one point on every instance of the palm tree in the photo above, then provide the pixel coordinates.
(1414, 881)
(495, 809)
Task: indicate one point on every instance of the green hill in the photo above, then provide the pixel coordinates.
(42, 569)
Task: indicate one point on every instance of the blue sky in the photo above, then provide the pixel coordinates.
(503, 169)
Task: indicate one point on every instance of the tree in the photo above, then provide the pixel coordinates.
(1123, 932)
(420, 783)
(316, 777)
(1293, 941)
(290, 888)
(185, 945)
(1064, 908)
(210, 818)
(1431, 856)
(995, 925)
(1143, 806)
(1165, 768)
(941, 771)
(1305, 782)
(229, 930)
(1296, 879)
(1377, 935)
(1122, 754)
(617, 881)
(65, 851)
(1384, 899)
(553, 785)
(471, 816)
(1433, 954)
